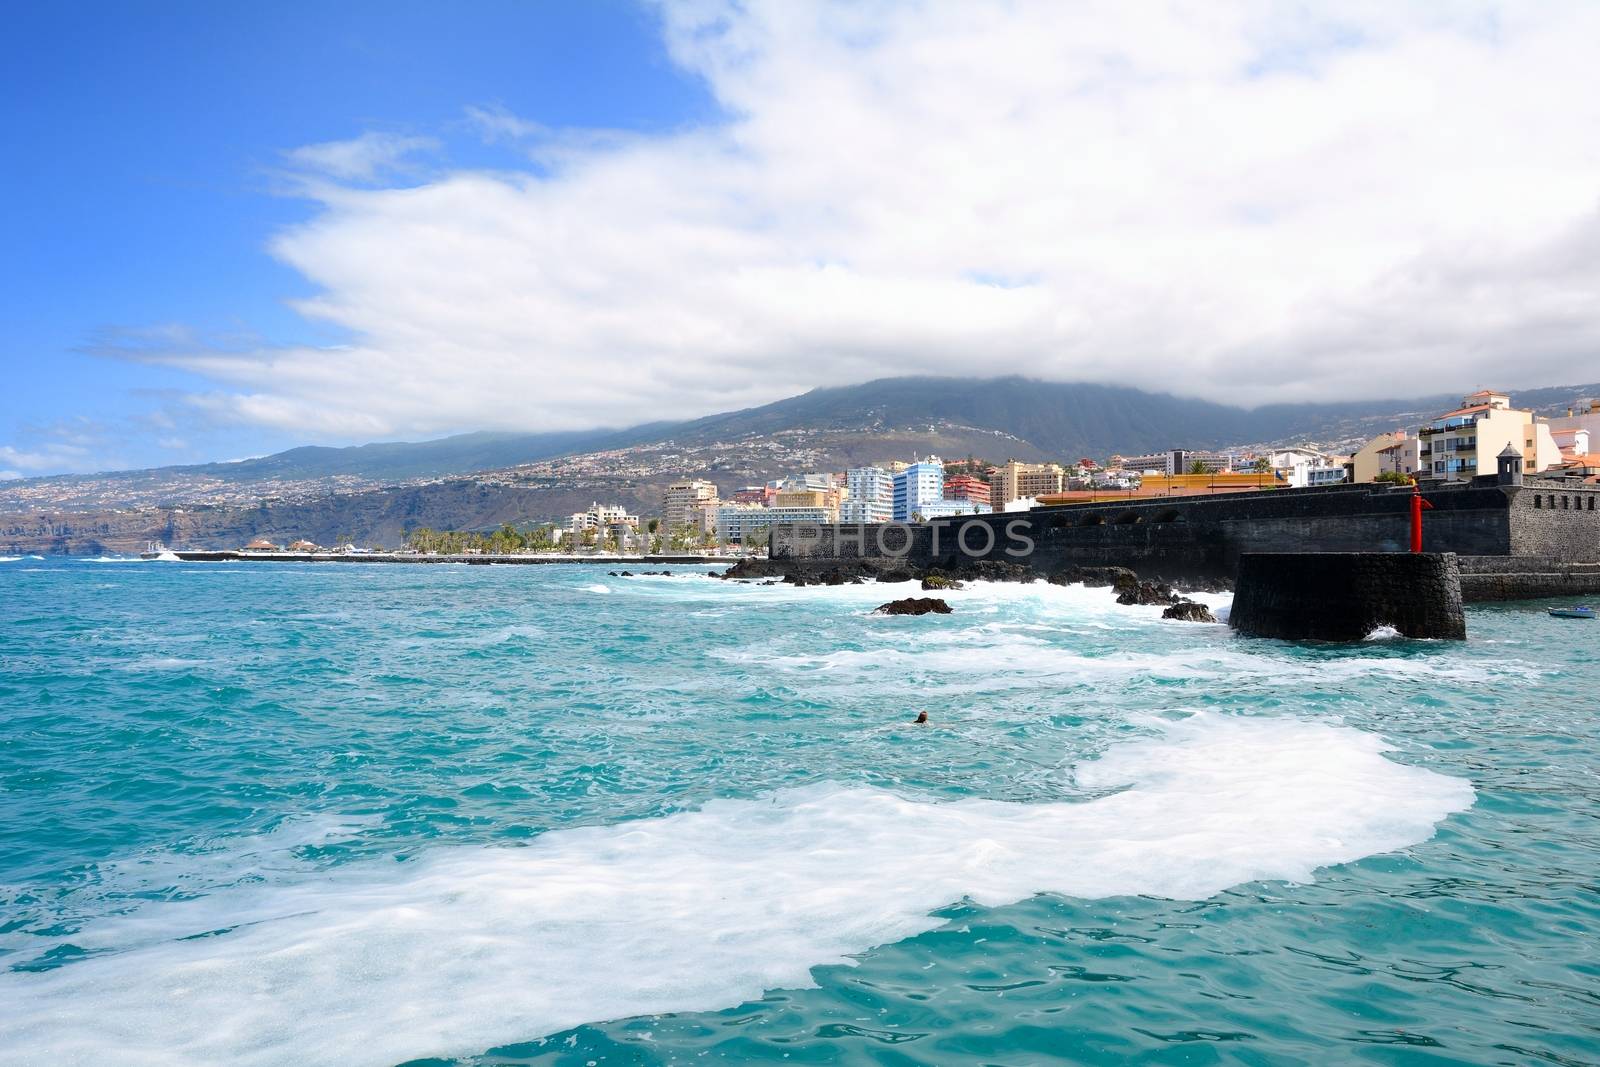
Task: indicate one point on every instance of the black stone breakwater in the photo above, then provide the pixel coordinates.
(1344, 596)
(1554, 524)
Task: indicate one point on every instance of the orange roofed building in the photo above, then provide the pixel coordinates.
(1162, 485)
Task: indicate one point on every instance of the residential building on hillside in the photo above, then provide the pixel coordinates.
(735, 522)
(870, 495)
(804, 514)
(921, 483)
(1583, 416)
(750, 494)
(1573, 442)
(1286, 458)
(1183, 461)
(1173, 461)
(1464, 443)
(812, 480)
(823, 501)
(682, 498)
(1387, 453)
(1306, 475)
(600, 516)
(703, 517)
(1176, 485)
(1014, 480)
(1150, 463)
(1586, 467)
(967, 487)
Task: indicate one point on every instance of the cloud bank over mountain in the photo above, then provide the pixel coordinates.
(1243, 201)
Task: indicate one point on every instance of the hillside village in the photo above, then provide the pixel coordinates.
(698, 514)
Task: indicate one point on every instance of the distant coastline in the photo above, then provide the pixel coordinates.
(234, 556)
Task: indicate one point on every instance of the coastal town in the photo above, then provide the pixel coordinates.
(697, 515)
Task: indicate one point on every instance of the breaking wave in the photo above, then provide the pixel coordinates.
(467, 948)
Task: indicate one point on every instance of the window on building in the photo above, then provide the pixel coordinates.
(1536, 502)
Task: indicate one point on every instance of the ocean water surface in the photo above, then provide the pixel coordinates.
(378, 814)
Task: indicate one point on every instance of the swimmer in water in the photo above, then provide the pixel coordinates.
(921, 719)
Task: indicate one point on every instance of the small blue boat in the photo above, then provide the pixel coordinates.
(1582, 611)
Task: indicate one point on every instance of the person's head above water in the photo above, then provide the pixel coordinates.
(922, 717)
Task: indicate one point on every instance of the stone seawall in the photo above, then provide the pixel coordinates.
(1204, 537)
(1344, 596)
(1486, 578)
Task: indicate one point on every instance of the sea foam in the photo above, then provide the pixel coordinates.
(468, 948)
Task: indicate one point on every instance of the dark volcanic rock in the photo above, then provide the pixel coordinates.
(939, 581)
(991, 570)
(750, 567)
(1203, 584)
(1189, 611)
(913, 605)
(1094, 577)
(897, 576)
(1147, 593)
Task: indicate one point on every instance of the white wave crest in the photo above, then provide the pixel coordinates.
(472, 947)
(1013, 658)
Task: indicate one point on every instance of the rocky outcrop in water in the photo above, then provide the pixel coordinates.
(1189, 611)
(939, 581)
(1144, 592)
(1203, 584)
(913, 605)
(1092, 577)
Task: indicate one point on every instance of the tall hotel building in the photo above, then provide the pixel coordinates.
(871, 495)
(919, 485)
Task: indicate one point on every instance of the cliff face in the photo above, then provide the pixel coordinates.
(383, 517)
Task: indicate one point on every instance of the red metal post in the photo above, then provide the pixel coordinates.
(1417, 504)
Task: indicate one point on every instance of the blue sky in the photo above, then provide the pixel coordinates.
(144, 173)
(233, 228)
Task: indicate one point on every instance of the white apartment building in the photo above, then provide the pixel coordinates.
(600, 517)
(870, 495)
(737, 521)
(919, 484)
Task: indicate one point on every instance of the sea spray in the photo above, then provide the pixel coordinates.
(698, 910)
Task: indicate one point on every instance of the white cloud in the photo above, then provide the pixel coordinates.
(1245, 201)
(362, 159)
(49, 457)
(497, 123)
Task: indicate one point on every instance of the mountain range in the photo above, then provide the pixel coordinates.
(380, 491)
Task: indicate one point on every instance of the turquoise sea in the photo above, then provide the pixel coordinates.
(369, 814)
